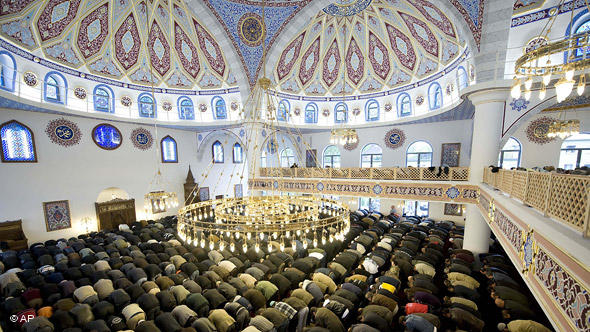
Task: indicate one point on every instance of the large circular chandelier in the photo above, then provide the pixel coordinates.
(344, 136)
(280, 220)
(545, 62)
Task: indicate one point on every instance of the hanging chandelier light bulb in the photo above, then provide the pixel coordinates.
(569, 73)
(581, 85)
(527, 94)
(515, 90)
(528, 83)
(542, 92)
(563, 88)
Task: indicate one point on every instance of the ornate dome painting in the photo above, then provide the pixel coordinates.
(374, 45)
(111, 39)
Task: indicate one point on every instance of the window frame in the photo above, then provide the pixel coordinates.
(4, 160)
(502, 151)
(372, 155)
(111, 97)
(314, 106)
(154, 105)
(214, 102)
(4, 73)
(283, 115)
(62, 91)
(432, 96)
(416, 205)
(420, 154)
(400, 99)
(233, 150)
(331, 157)
(217, 142)
(345, 111)
(370, 199)
(579, 151)
(164, 161)
(110, 125)
(462, 73)
(179, 107)
(288, 157)
(369, 103)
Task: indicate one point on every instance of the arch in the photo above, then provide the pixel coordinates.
(581, 23)
(104, 99)
(287, 157)
(404, 105)
(217, 152)
(462, 80)
(435, 96)
(7, 71)
(219, 108)
(510, 154)
(18, 143)
(146, 105)
(238, 153)
(55, 88)
(283, 110)
(203, 149)
(331, 157)
(419, 154)
(311, 113)
(372, 110)
(263, 160)
(341, 113)
(108, 194)
(575, 151)
(371, 155)
(169, 149)
(186, 108)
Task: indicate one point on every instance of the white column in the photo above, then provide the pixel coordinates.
(487, 132)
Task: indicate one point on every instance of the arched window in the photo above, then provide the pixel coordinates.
(341, 113)
(169, 150)
(575, 152)
(287, 157)
(371, 156)
(217, 150)
(186, 109)
(103, 99)
(462, 81)
(510, 154)
(263, 158)
(419, 154)
(331, 157)
(404, 105)
(238, 154)
(372, 110)
(435, 96)
(311, 113)
(581, 26)
(370, 204)
(416, 208)
(146, 105)
(219, 110)
(7, 71)
(56, 88)
(283, 110)
(18, 143)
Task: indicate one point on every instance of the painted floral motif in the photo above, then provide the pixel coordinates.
(80, 93)
(356, 111)
(30, 79)
(55, 17)
(210, 49)
(309, 62)
(331, 64)
(326, 112)
(378, 56)
(450, 88)
(452, 192)
(234, 106)
(402, 47)
(159, 50)
(126, 101)
(320, 186)
(187, 52)
(355, 63)
(142, 138)
(388, 107)
(421, 33)
(167, 106)
(289, 56)
(435, 16)
(20, 31)
(93, 31)
(472, 12)
(127, 43)
(203, 107)
(251, 29)
(297, 112)
(377, 189)
(519, 104)
(395, 138)
(535, 43)
(63, 132)
(13, 6)
(419, 100)
(537, 130)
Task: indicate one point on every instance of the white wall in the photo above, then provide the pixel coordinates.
(80, 172)
(434, 133)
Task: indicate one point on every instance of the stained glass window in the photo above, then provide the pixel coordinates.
(17, 143)
(219, 110)
(106, 136)
(55, 88)
(186, 110)
(217, 152)
(103, 100)
(283, 111)
(341, 113)
(372, 110)
(584, 27)
(147, 106)
(404, 105)
(435, 96)
(238, 154)
(311, 113)
(169, 150)
(7, 71)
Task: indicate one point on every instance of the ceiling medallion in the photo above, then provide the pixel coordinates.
(537, 130)
(30, 79)
(80, 93)
(251, 29)
(346, 7)
(395, 138)
(126, 101)
(63, 132)
(141, 138)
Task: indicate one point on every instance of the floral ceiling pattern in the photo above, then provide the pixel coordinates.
(111, 39)
(375, 47)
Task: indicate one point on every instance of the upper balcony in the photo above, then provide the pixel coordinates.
(357, 173)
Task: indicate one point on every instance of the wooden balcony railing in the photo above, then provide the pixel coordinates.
(394, 173)
(563, 197)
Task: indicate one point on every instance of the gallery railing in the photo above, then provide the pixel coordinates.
(563, 197)
(393, 173)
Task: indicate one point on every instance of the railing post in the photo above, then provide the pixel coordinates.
(586, 227)
(549, 187)
(371, 173)
(421, 173)
(395, 173)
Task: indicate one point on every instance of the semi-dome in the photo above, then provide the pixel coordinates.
(370, 45)
(111, 39)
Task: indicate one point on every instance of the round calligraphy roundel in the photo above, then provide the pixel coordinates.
(251, 29)
(141, 138)
(63, 132)
(395, 138)
(537, 130)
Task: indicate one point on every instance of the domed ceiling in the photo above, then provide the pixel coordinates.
(112, 39)
(369, 45)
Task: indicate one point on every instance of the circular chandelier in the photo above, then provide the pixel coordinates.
(563, 128)
(537, 63)
(344, 136)
(234, 222)
(160, 201)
